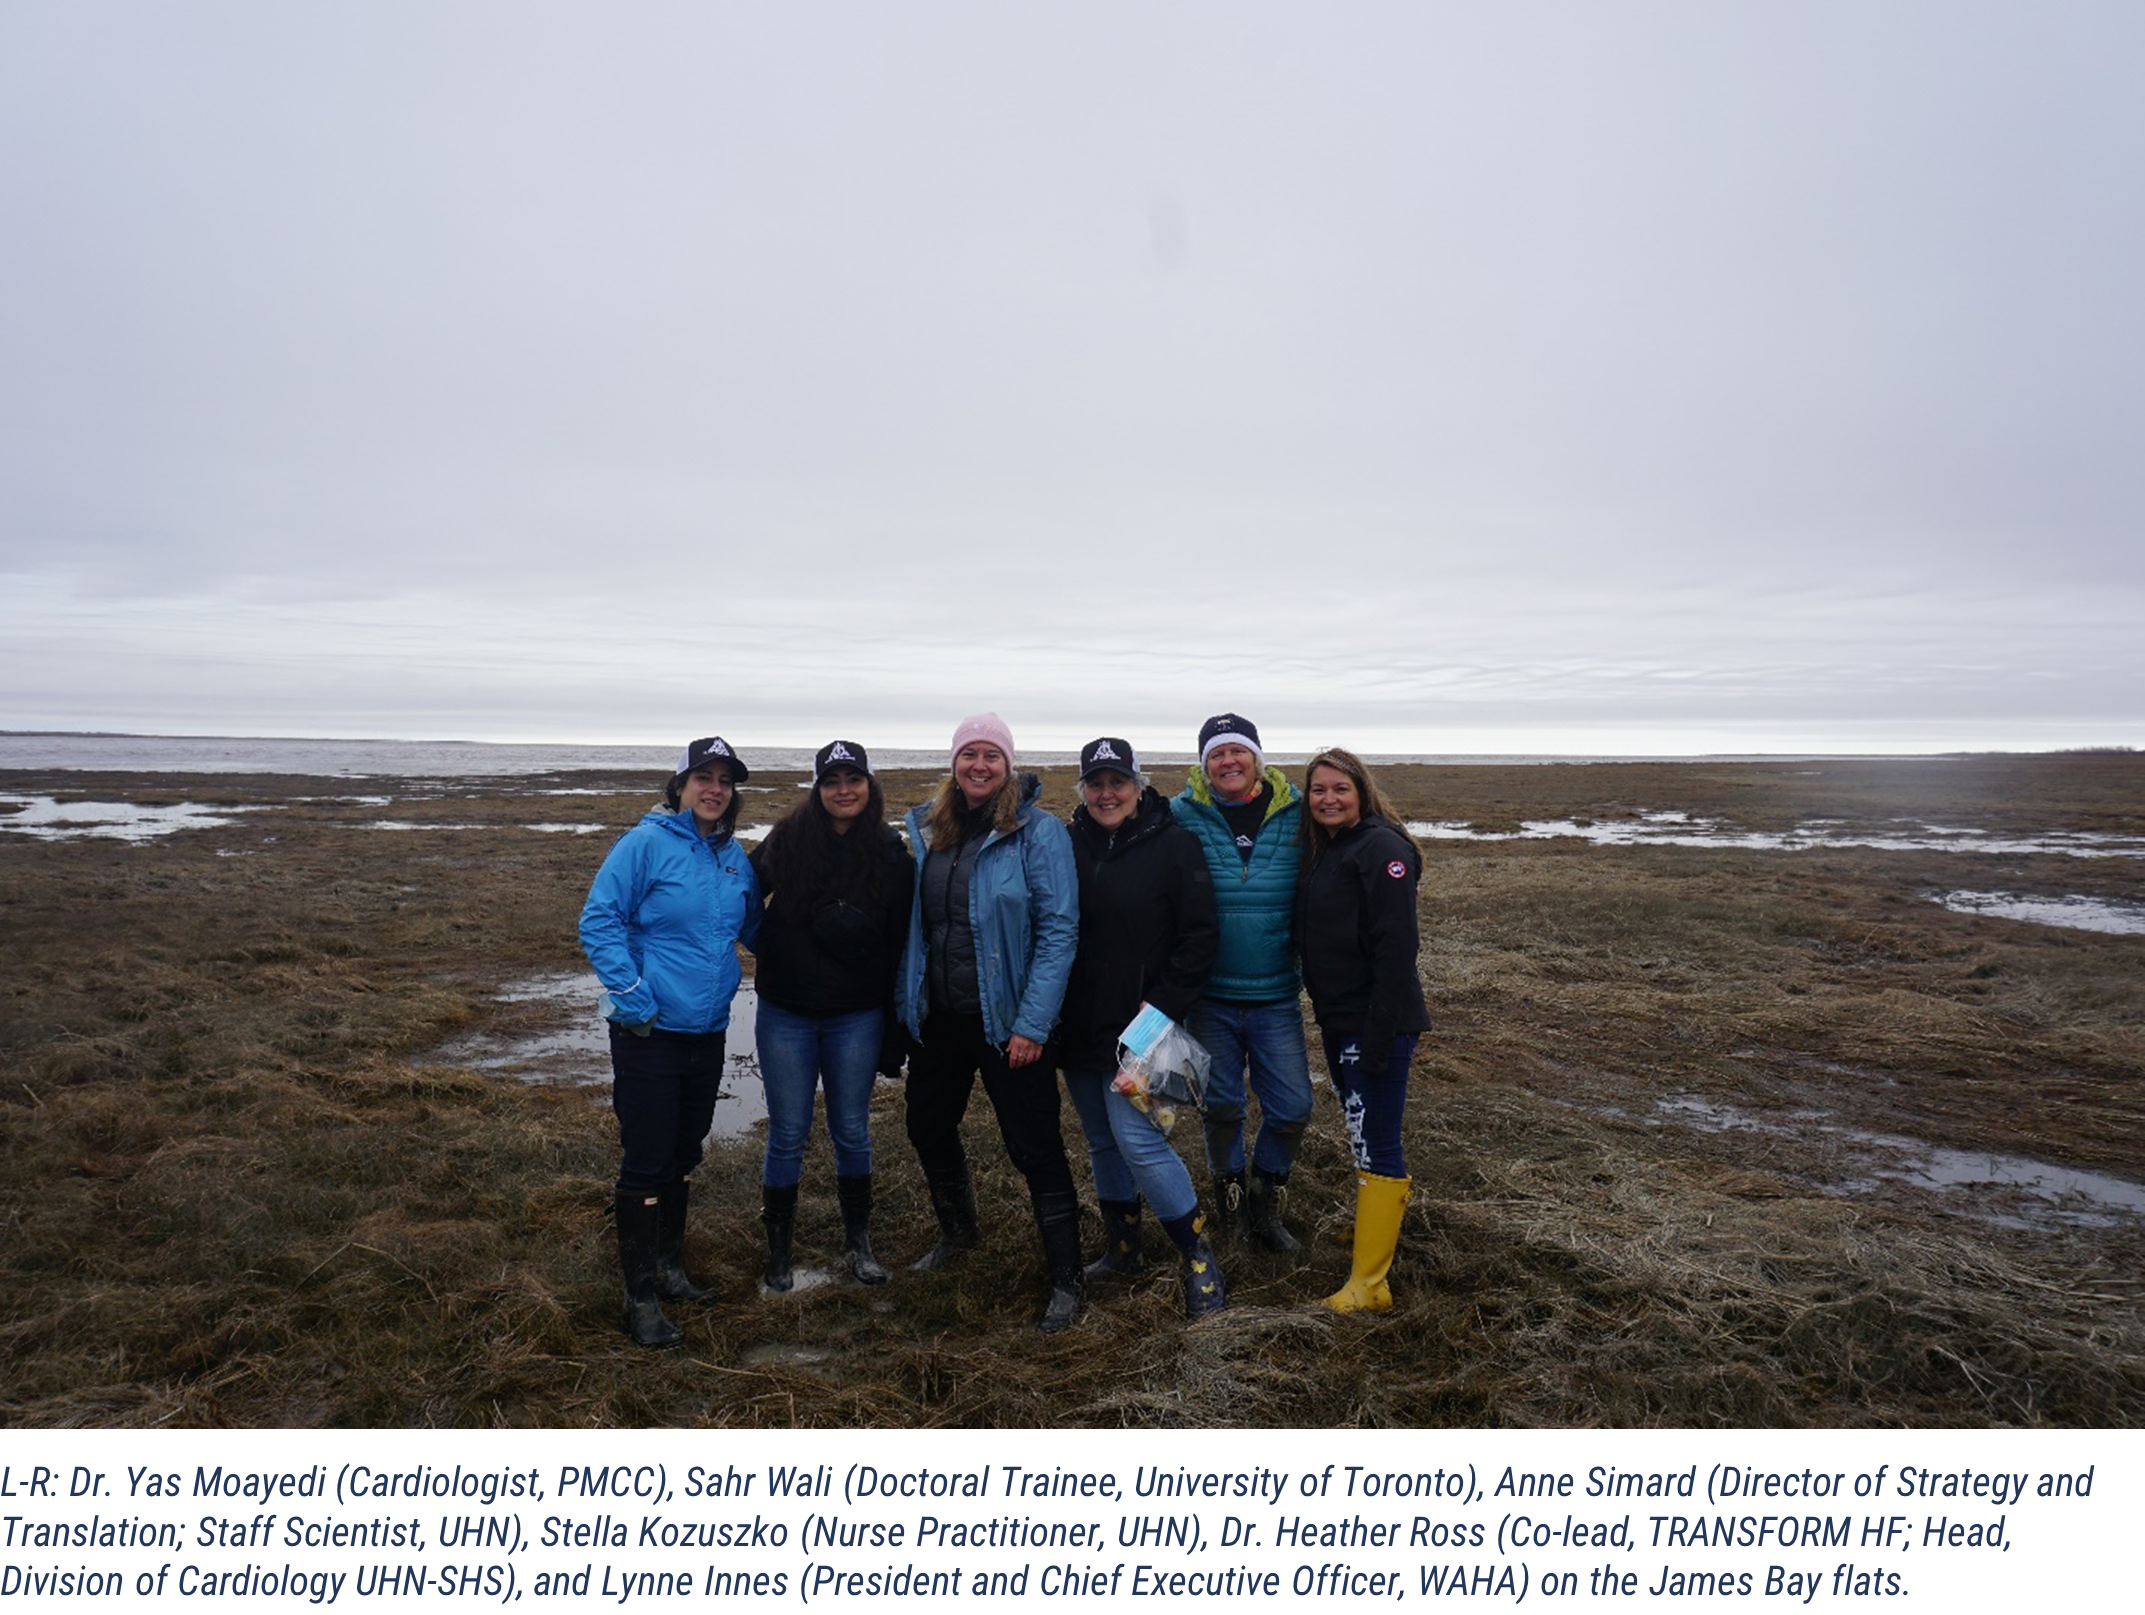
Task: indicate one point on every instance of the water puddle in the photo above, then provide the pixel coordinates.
(49, 819)
(575, 1050)
(1704, 1116)
(552, 829)
(2066, 1193)
(1672, 829)
(751, 833)
(802, 1278)
(2026, 1193)
(2075, 913)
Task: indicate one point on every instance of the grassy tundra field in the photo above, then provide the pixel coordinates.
(1724, 1133)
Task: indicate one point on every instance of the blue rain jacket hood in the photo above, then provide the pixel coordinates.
(663, 920)
(1256, 963)
(1024, 912)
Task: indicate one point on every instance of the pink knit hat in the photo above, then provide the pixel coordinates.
(987, 726)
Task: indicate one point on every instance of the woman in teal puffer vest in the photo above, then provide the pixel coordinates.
(1248, 819)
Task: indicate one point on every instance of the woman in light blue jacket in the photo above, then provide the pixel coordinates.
(661, 926)
(991, 935)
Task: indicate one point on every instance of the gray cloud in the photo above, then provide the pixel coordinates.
(1660, 369)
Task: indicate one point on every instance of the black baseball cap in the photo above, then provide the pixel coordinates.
(713, 749)
(840, 754)
(1109, 755)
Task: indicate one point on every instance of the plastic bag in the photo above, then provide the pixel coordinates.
(1160, 1067)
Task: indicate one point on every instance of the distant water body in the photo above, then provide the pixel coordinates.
(466, 759)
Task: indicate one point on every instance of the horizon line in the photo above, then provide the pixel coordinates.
(1895, 752)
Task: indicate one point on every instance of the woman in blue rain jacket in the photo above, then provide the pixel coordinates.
(674, 898)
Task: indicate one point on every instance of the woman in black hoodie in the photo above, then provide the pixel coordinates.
(838, 880)
(1356, 925)
(1147, 937)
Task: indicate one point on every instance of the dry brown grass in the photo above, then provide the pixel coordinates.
(235, 1194)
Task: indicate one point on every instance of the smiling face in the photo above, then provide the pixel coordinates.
(1111, 797)
(844, 793)
(1333, 799)
(1233, 770)
(980, 768)
(706, 795)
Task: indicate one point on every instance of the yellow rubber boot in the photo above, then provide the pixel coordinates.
(1379, 1205)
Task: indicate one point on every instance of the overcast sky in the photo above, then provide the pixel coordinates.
(1568, 377)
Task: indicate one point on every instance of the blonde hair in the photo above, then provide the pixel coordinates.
(942, 820)
(1368, 797)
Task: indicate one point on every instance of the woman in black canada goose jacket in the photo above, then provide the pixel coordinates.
(1356, 925)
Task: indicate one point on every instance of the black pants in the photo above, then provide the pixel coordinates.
(663, 1087)
(942, 1074)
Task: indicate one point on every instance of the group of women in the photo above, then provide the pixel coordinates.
(999, 942)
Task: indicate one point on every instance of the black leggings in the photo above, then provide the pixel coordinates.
(942, 1074)
(663, 1087)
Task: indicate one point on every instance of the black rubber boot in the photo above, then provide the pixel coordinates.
(1120, 1256)
(1228, 1205)
(1203, 1288)
(854, 1194)
(671, 1282)
(1057, 1221)
(778, 1212)
(639, 1218)
(954, 1199)
(1221, 1132)
(1262, 1199)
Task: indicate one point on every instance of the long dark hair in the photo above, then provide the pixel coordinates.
(805, 860)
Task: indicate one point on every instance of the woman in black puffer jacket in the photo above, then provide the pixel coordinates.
(1148, 932)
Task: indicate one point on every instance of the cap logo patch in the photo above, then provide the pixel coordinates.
(1396, 869)
(839, 753)
(1104, 749)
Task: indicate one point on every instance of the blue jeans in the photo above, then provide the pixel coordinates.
(1372, 1099)
(1269, 1039)
(1131, 1156)
(799, 1053)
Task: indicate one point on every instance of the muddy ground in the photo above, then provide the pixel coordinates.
(1711, 1134)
